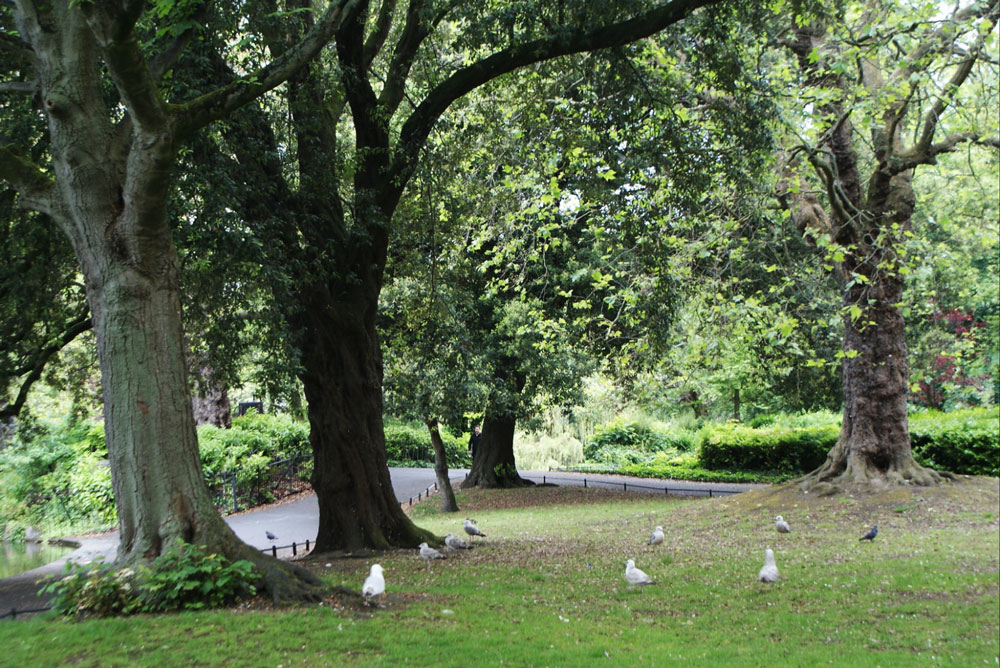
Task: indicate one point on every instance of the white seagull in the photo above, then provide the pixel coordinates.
(374, 584)
(782, 525)
(633, 576)
(428, 554)
(456, 543)
(769, 571)
(471, 528)
(656, 537)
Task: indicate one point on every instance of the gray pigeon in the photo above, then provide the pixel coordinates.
(782, 525)
(634, 576)
(870, 536)
(456, 543)
(374, 584)
(769, 571)
(429, 554)
(471, 528)
(270, 536)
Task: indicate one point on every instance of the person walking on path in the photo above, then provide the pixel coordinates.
(477, 435)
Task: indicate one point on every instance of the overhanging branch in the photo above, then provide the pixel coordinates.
(218, 103)
(36, 365)
(569, 41)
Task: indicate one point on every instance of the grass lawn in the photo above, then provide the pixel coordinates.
(545, 588)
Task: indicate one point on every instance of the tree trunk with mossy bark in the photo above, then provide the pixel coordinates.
(106, 187)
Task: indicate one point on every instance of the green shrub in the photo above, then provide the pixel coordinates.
(612, 440)
(735, 447)
(409, 445)
(93, 590)
(184, 577)
(966, 441)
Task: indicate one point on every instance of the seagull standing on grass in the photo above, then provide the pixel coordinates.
(374, 584)
(471, 528)
(456, 543)
(656, 537)
(769, 571)
(428, 554)
(782, 525)
(870, 536)
(633, 576)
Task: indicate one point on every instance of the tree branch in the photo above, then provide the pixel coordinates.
(112, 27)
(927, 155)
(33, 185)
(215, 105)
(418, 126)
(29, 87)
(36, 365)
(381, 32)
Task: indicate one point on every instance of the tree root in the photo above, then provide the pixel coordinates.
(837, 475)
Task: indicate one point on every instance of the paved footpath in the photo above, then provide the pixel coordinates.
(297, 520)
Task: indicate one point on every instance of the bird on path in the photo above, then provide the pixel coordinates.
(871, 534)
(270, 536)
(782, 525)
(769, 571)
(656, 537)
(471, 528)
(634, 576)
(456, 543)
(374, 584)
(429, 554)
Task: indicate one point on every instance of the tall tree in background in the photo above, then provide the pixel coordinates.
(98, 73)
(885, 86)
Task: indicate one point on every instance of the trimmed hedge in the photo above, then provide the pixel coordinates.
(735, 447)
(966, 441)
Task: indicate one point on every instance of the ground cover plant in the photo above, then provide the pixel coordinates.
(545, 587)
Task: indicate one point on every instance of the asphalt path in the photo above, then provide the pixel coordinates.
(297, 520)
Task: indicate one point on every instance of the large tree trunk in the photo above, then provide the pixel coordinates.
(108, 194)
(874, 442)
(448, 502)
(494, 465)
(342, 378)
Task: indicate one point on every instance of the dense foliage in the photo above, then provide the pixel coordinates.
(409, 445)
(184, 577)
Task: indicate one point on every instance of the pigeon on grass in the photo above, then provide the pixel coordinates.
(456, 543)
(769, 571)
(471, 528)
(634, 576)
(374, 585)
(870, 536)
(429, 554)
(782, 525)
(656, 537)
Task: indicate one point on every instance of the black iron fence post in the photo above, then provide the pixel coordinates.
(232, 482)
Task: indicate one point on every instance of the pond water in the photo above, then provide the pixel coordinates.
(20, 557)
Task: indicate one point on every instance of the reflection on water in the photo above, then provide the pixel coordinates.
(19, 557)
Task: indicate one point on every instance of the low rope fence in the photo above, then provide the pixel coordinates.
(666, 489)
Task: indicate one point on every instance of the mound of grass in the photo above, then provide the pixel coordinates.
(545, 587)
